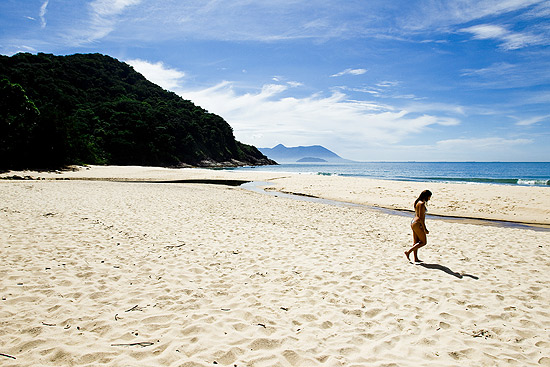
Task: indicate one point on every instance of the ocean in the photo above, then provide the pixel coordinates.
(502, 173)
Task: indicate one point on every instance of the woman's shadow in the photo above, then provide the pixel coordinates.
(447, 270)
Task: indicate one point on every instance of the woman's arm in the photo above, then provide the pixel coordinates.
(422, 215)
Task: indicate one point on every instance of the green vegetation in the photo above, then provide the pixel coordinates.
(93, 109)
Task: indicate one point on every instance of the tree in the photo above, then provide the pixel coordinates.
(18, 121)
(79, 109)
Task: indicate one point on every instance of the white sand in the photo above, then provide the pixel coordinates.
(205, 275)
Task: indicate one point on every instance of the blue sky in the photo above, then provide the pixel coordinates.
(396, 80)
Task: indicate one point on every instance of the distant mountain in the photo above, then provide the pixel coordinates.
(313, 153)
(311, 160)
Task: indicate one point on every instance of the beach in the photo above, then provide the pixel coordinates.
(115, 266)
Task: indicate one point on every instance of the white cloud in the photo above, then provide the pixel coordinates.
(42, 13)
(540, 10)
(503, 75)
(269, 116)
(350, 72)
(368, 90)
(486, 31)
(384, 89)
(295, 84)
(480, 144)
(269, 21)
(103, 18)
(315, 119)
(265, 21)
(492, 148)
(387, 84)
(536, 97)
(443, 14)
(106, 8)
(497, 69)
(157, 73)
(420, 107)
(532, 120)
(509, 40)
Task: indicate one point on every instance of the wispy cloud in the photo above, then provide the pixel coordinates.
(540, 10)
(497, 69)
(236, 20)
(350, 72)
(42, 13)
(504, 75)
(383, 89)
(274, 21)
(444, 15)
(103, 16)
(387, 84)
(532, 120)
(509, 40)
(106, 8)
(293, 84)
(481, 144)
(270, 21)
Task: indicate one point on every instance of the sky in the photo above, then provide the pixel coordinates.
(371, 80)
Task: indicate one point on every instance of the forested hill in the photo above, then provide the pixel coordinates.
(94, 109)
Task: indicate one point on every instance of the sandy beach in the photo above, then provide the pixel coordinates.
(98, 271)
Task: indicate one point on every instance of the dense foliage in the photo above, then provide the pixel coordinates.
(93, 109)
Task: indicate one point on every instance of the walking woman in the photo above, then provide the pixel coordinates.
(418, 225)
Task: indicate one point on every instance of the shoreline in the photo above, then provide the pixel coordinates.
(306, 197)
(515, 204)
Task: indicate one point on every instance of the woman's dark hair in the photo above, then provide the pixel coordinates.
(424, 196)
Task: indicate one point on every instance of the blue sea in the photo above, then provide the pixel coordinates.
(503, 173)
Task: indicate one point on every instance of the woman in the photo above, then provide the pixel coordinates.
(418, 225)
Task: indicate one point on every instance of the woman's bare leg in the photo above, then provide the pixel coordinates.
(419, 238)
(415, 241)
